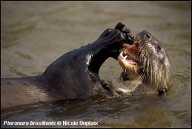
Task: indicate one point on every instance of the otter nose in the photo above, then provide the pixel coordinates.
(125, 33)
(128, 38)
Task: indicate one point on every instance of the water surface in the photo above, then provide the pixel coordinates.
(34, 34)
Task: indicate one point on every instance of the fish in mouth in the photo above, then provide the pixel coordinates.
(146, 59)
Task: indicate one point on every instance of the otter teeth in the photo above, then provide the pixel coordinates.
(125, 57)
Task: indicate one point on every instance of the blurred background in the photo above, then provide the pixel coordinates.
(34, 34)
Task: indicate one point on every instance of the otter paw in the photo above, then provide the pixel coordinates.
(162, 91)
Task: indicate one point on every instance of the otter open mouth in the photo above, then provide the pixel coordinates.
(148, 60)
(128, 58)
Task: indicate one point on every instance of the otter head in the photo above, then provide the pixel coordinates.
(146, 58)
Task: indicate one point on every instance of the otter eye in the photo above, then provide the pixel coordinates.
(147, 36)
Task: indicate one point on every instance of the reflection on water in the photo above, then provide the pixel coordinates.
(35, 34)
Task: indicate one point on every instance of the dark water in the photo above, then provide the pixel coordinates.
(35, 33)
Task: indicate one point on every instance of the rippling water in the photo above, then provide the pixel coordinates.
(34, 34)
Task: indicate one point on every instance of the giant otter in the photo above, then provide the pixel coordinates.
(72, 76)
(146, 62)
